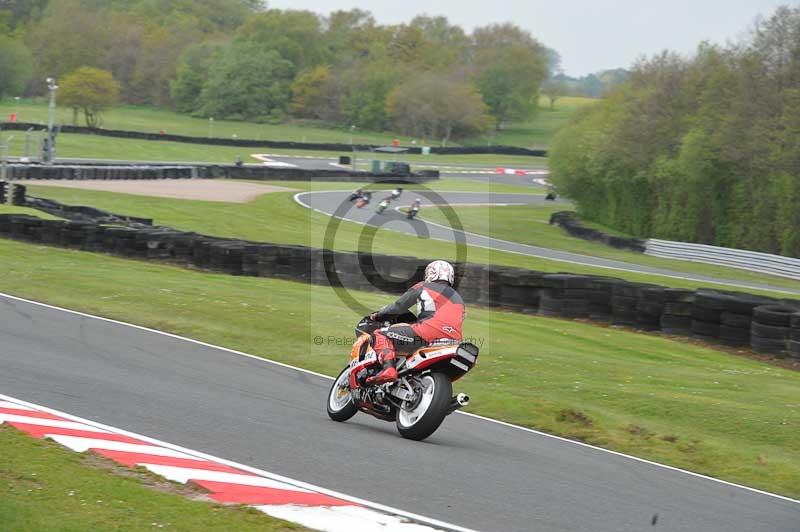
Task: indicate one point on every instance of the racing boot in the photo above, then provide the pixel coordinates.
(385, 351)
(388, 374)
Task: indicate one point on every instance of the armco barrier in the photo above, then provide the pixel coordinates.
(210, 171)
(141, 135)
(734, 258)
(736, 319)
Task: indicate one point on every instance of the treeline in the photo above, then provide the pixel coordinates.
(592, 85)
(702, 149)
(235, 59)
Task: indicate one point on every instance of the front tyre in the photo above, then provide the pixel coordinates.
(418, 419)
(341, 406)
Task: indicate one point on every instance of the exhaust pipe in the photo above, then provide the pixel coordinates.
(462, 399)
(458, 401)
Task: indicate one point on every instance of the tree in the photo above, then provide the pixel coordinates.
(554, 88)
(435, 107)
(247, 81)
(193, 68)
(90, 90)
(510, 66)
(16, 65)
(295, 35)
(68, 37)
(308, 92)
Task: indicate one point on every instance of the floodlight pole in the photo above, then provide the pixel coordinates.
(50, 149)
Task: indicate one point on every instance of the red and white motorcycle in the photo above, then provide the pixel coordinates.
(421, 397)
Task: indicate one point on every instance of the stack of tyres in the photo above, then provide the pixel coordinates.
(469, 281)
(649, 307)
(492, 288)
(521, 291)
(736, 319)
(91, 237)
(770, 329)
(565, 295)
(227, 257)
(676, 316)
(706, 314)
(201, 252)
(250, 259)
(50, 232)
(624, 300)
(600, 292)
(18, 195)
(793, 346)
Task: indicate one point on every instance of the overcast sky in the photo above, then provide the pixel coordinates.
(590, 35)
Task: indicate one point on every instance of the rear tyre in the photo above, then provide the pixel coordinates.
(420, 419)
(341, 406)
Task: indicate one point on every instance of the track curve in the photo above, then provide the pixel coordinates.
(472, 472)
(334, 203)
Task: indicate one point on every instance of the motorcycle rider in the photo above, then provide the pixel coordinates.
(396, 193)
(414, 209)
(440, 314)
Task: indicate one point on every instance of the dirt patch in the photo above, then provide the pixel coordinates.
(147, 478)
(190, 189)
(575, 417)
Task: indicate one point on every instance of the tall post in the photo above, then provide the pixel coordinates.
(28, 144)
(4, 162)
(50, 146)
(353, 146)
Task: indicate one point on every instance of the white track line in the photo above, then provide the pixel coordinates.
(584, 264)
(315, 488)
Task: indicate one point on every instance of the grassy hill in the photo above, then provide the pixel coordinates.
(536, 133)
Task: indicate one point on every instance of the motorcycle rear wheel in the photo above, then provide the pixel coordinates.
(419, 420)
(341, 406)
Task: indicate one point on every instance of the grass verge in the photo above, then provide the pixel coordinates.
(529, 225)
(46, 487)
(277, 218)
(679, 403)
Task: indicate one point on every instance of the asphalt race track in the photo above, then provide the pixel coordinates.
(335, 203)
(472, 472)
(477, 172)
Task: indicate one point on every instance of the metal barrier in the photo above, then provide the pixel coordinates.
(734, 258)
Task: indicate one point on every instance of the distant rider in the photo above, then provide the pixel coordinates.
(414, 209)
(396, 193)
(356, 194)
(440, 314)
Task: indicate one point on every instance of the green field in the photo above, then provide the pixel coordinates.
(46, 487)
(277, 218)
(712, 412)
(537, 133)
(529, 225)
(93, 147)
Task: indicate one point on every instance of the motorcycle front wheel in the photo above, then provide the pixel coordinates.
(341, 406)
(418, 419)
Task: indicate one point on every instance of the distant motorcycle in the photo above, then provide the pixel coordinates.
(363, 201)
(383, 205)
(413, 210)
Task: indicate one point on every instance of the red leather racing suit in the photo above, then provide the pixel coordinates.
(440, 314)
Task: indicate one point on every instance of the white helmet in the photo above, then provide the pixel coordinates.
(440, 270)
